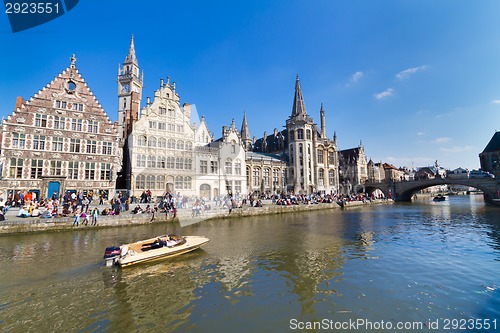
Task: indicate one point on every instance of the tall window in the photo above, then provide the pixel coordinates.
(59, 122)
(152, 124)
(320, 155)
(308, 134)
(74, 145)
(151, 161)
(188, 145)
(140, 182)
(150, 182)
(16, 168)
(187, 183)
(188, 164)
(300, 134)
(180, 144)
(91, 146)
(39, 142)
(237, 167)
(229, 167)
(160, 182)
(105, 171)
(256, 177)
(139, 160)
(266, 177)
(55, 168)
(73, 170)
(276, 173)
(57, 144)
(162, 126)
(178, 183)
(170, 162)
(18, 141)
(107, 148)
(36, 169)
(214, 167)
(237, 186)
(161, 163)
(203, 167)
(179, 163)
(331, 158)
(92, 126)
(331, 177)
(90, 170)
(40, 120)
(76, 125)
(321, 177)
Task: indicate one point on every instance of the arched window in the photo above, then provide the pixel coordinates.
(180, 144)
(292, 135)
(265, 178)
(162, 143)
(331, 177)
(178, 183)
(152, 142)
(171, 144)
(189, 145)
(141, 140)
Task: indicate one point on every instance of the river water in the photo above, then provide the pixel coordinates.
(425, 262)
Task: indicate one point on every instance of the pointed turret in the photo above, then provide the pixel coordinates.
(299, 107)
(323, 122)
(131, 58)
(245, 133)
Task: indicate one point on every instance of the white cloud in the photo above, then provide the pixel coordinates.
(456, 149)
(356, 77)
(441, 140)
(495, 101)
(408, 72)
(384, 94)
(420, 133)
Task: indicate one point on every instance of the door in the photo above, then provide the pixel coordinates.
(54, 187)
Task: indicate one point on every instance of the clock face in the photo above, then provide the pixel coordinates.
(126, 88)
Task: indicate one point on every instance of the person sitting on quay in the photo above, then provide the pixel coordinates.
(23, 212)
(137, 210)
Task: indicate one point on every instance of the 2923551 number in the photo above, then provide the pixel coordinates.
(469, 324)
(31, 8)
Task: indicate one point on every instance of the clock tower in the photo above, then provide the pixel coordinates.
(130, 82)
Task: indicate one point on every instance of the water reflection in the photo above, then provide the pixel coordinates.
(404, 262)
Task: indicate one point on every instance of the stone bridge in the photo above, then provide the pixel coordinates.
(404, 190)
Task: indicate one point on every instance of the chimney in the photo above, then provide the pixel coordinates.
(161, 83)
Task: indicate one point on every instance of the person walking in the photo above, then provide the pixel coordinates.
(76, 221)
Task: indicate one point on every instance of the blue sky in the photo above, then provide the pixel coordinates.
(414, 80)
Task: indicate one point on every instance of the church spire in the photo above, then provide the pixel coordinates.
(131, 58)
(245, 133)
(299, 107)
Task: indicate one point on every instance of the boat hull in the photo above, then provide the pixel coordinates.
(136, 253)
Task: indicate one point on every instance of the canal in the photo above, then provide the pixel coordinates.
(425, 262)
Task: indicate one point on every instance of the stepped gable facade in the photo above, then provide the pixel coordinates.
(59, 140)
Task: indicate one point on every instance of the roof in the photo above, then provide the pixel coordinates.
(265, 156)
(494, 144)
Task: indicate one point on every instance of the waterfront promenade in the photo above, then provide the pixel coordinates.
(14, 224)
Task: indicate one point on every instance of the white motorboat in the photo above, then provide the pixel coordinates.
(160, 247)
